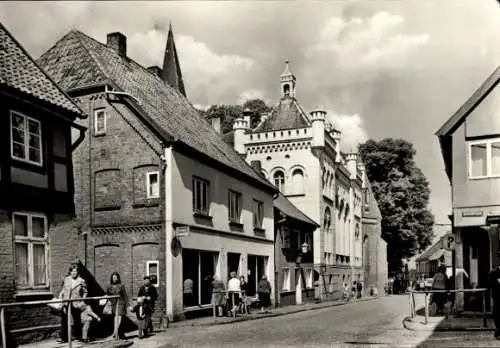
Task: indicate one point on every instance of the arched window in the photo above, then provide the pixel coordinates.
(327, 220)
(298, 181)
(279, 180)
(286, 89)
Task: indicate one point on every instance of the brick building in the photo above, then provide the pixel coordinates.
(37, 238)
(157, 190)
(300, 154)
(294, 266)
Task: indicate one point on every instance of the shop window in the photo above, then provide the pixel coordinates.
(199, 267)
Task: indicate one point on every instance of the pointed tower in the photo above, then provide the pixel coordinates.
(287, 82)
(171, 68)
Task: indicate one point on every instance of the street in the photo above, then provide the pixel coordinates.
(373, 323)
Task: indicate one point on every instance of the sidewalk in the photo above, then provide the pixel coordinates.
(198, 322)
(451, 324)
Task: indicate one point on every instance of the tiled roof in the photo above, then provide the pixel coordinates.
(284, 205)
(286, 115)
(20, 72)
(476, 98)
(77, 60)
(229, 138)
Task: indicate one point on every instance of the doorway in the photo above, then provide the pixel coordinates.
(255, 270)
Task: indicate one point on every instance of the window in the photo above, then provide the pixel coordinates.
(200, 196)
(152, 270)
(234, 204)
(279, 180)
(26, 138)
(309, 278)
(258, 213)
(153, 184)
(199, 267)
(357, 231)
(286, 279)
(484, 158)
(327, 220)
(298, 181)
(31, 250)
(100, 121)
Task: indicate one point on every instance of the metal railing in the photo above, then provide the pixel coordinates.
(413, 310)
(68, 313)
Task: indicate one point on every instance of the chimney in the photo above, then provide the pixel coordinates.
(118, 42)
(257, 166)
(155, 70)
(216, 124)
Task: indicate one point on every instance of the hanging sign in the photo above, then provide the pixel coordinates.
(175, 246)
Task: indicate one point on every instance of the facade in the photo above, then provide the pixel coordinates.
(469, 143)
(300, 154)
(428, 262)
(37, 238)
(294, 266)
(158, 191)
(374, 246)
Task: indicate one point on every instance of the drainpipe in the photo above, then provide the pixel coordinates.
(169, 232)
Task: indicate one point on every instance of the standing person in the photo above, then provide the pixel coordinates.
(73, 287)
(494, 285)
(440, 282)
(244, 290)
(359, 288)
(141, 313)
(87, 316)
(218, 295)
(264, 291)
(118, 305)
(188, 297)
(234, 290)
(150, 295)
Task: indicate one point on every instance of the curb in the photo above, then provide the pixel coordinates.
(278, 314)
(443, 329)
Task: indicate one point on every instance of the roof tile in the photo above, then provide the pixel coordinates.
(19, 71)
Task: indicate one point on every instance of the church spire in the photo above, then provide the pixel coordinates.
(287, 82)
(171, 68)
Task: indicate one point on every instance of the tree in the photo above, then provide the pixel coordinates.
(228, 113)
(402, 193)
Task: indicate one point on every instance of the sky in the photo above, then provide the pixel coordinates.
(379, 68)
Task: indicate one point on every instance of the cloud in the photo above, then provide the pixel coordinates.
(352, 128)
(360, 42)
(204, 70)
(252, 93)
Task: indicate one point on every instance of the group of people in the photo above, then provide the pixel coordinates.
(235, 299)
(75, 287)
(355, 291)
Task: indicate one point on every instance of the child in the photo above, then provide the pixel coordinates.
(86, 316)
(141, 312)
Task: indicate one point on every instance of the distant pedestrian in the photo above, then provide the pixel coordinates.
(494, 280)
(264, 291)
(142, 313)
(148, 292)
(359, 288)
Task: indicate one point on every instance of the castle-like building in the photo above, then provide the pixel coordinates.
(300, 153)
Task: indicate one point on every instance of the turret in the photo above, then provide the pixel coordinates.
(336, 135)
(247, 116)
(352, 162)
(240, 127)
(318, 128)
(287, 82)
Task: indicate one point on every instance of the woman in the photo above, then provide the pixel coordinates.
(244, 290)
(73, 287)
(116, 288)
(264, 291)
(218, 295)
